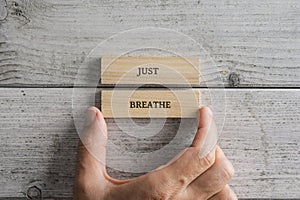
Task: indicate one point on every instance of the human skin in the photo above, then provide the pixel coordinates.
(189, 176)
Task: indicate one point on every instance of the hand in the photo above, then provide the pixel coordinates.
(189, 177)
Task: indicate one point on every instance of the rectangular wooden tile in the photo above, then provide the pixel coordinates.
(150, 70)
(183, 103)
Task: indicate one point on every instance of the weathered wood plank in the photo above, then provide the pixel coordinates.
(254, 43)
(260, 136)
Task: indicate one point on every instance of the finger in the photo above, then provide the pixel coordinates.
(214, 179)
(204, 125)
(92, 146)
(226, 194)
(207, 136)
(191, 163)
(181, 172)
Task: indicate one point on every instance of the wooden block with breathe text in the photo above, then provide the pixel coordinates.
(150, 70)
(149, 103)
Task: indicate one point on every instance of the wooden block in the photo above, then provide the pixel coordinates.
(150, 70)
(183, 103)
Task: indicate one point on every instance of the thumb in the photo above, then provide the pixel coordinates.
(92, 147)
(195, 160)
(207, 135)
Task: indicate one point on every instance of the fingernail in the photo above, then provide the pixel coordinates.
(210, 111)
(210, 141)
(90, 117)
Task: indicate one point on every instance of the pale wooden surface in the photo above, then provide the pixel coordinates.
(254, 43)
(260, 136)
(44, 42)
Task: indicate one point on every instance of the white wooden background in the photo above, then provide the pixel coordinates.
(256, 45)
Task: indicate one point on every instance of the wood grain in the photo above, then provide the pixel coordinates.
(253, 43)
(43, 43)
(260, 136)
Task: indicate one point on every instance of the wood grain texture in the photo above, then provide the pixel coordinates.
(260, 136)
(253, 43)
(44, 42)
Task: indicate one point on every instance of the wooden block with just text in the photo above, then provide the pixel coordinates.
(150, 70)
